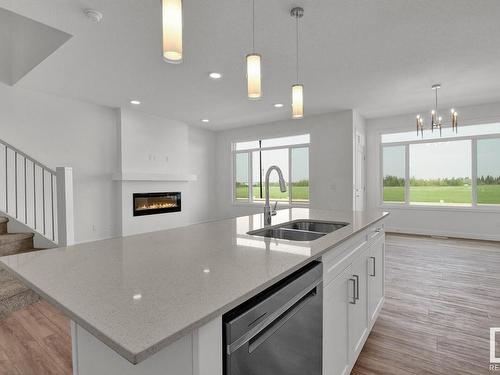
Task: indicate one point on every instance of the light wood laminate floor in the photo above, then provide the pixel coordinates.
(442, 296)
(35, 341)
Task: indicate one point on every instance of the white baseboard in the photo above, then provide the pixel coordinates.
(443, 233)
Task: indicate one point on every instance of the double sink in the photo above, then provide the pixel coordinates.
(299, 230)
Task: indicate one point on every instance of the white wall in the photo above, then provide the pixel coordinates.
(330, 160)
(359, 128)
(65, 132)
(456, 222)
(152, 144)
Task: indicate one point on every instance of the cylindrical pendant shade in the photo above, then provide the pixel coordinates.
(254, 77)
(297, 101)
(172, 30)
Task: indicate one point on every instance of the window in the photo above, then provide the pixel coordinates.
(394, 174)
(440, 173)
(252, 159)
(464, 131)
(456, 170)
(300, 174)
(241, 187)
(261, 161)
(488, 171)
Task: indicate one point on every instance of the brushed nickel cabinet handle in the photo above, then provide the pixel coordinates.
(356, 296)
(374, 273)
(353, 302)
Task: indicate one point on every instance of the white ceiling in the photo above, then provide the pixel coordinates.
(377, 56)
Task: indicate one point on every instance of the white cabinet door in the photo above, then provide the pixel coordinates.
(358, 311)
(336, 299)
(376, 277)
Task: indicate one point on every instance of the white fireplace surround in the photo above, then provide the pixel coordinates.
(159, 155)
(141, 176)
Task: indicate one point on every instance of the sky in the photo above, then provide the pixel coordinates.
(433, 160)
(300, 168)
(488, 154)
(443, 159)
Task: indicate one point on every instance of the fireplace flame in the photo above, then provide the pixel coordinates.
(155, 206)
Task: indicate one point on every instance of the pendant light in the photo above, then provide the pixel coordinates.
(297, 88)
(436, 119)
(172, 30)
(254, 76)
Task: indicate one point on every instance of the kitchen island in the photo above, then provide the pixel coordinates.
(152, 303)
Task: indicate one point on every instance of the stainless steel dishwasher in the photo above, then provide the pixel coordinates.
(280, 331)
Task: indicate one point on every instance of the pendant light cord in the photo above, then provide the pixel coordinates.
(297, 34)
(253, 26)
(437, 102)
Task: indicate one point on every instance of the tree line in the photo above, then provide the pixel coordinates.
(454, 181)
(298, 183)
(488, 180)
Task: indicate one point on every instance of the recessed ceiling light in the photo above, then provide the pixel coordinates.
(135, 102)
(206, 270)
(278, 105)
(215, 75)
(137, 297)
(205, 120)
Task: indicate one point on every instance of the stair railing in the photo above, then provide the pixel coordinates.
(36, 195)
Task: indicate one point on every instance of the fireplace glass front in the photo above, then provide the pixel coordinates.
(156, 203)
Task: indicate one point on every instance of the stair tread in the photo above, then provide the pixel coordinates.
(14, 294)
(12, 237)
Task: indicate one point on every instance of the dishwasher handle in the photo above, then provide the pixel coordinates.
(268, 331)
(281, 315)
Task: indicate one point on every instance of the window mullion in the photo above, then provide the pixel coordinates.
(250, 177)
(381, 173)
(474, 171)
(290, 176)
(407, 174)
(233, 177)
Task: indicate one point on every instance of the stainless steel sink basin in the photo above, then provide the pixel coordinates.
(287, 234)
(314, 226)
(299, 230)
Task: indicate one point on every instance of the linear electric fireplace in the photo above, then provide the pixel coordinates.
(156, 203)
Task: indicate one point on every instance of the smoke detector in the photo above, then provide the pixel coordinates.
(94, 15)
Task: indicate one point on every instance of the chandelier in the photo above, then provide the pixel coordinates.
(436, 118)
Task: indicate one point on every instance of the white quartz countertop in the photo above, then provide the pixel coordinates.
(140, 293)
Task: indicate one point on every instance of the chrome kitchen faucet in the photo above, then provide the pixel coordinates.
(267, 208)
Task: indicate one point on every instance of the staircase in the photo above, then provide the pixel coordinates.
(14, 295)
(35, 197)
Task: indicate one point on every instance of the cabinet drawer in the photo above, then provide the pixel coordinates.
(339, 258)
